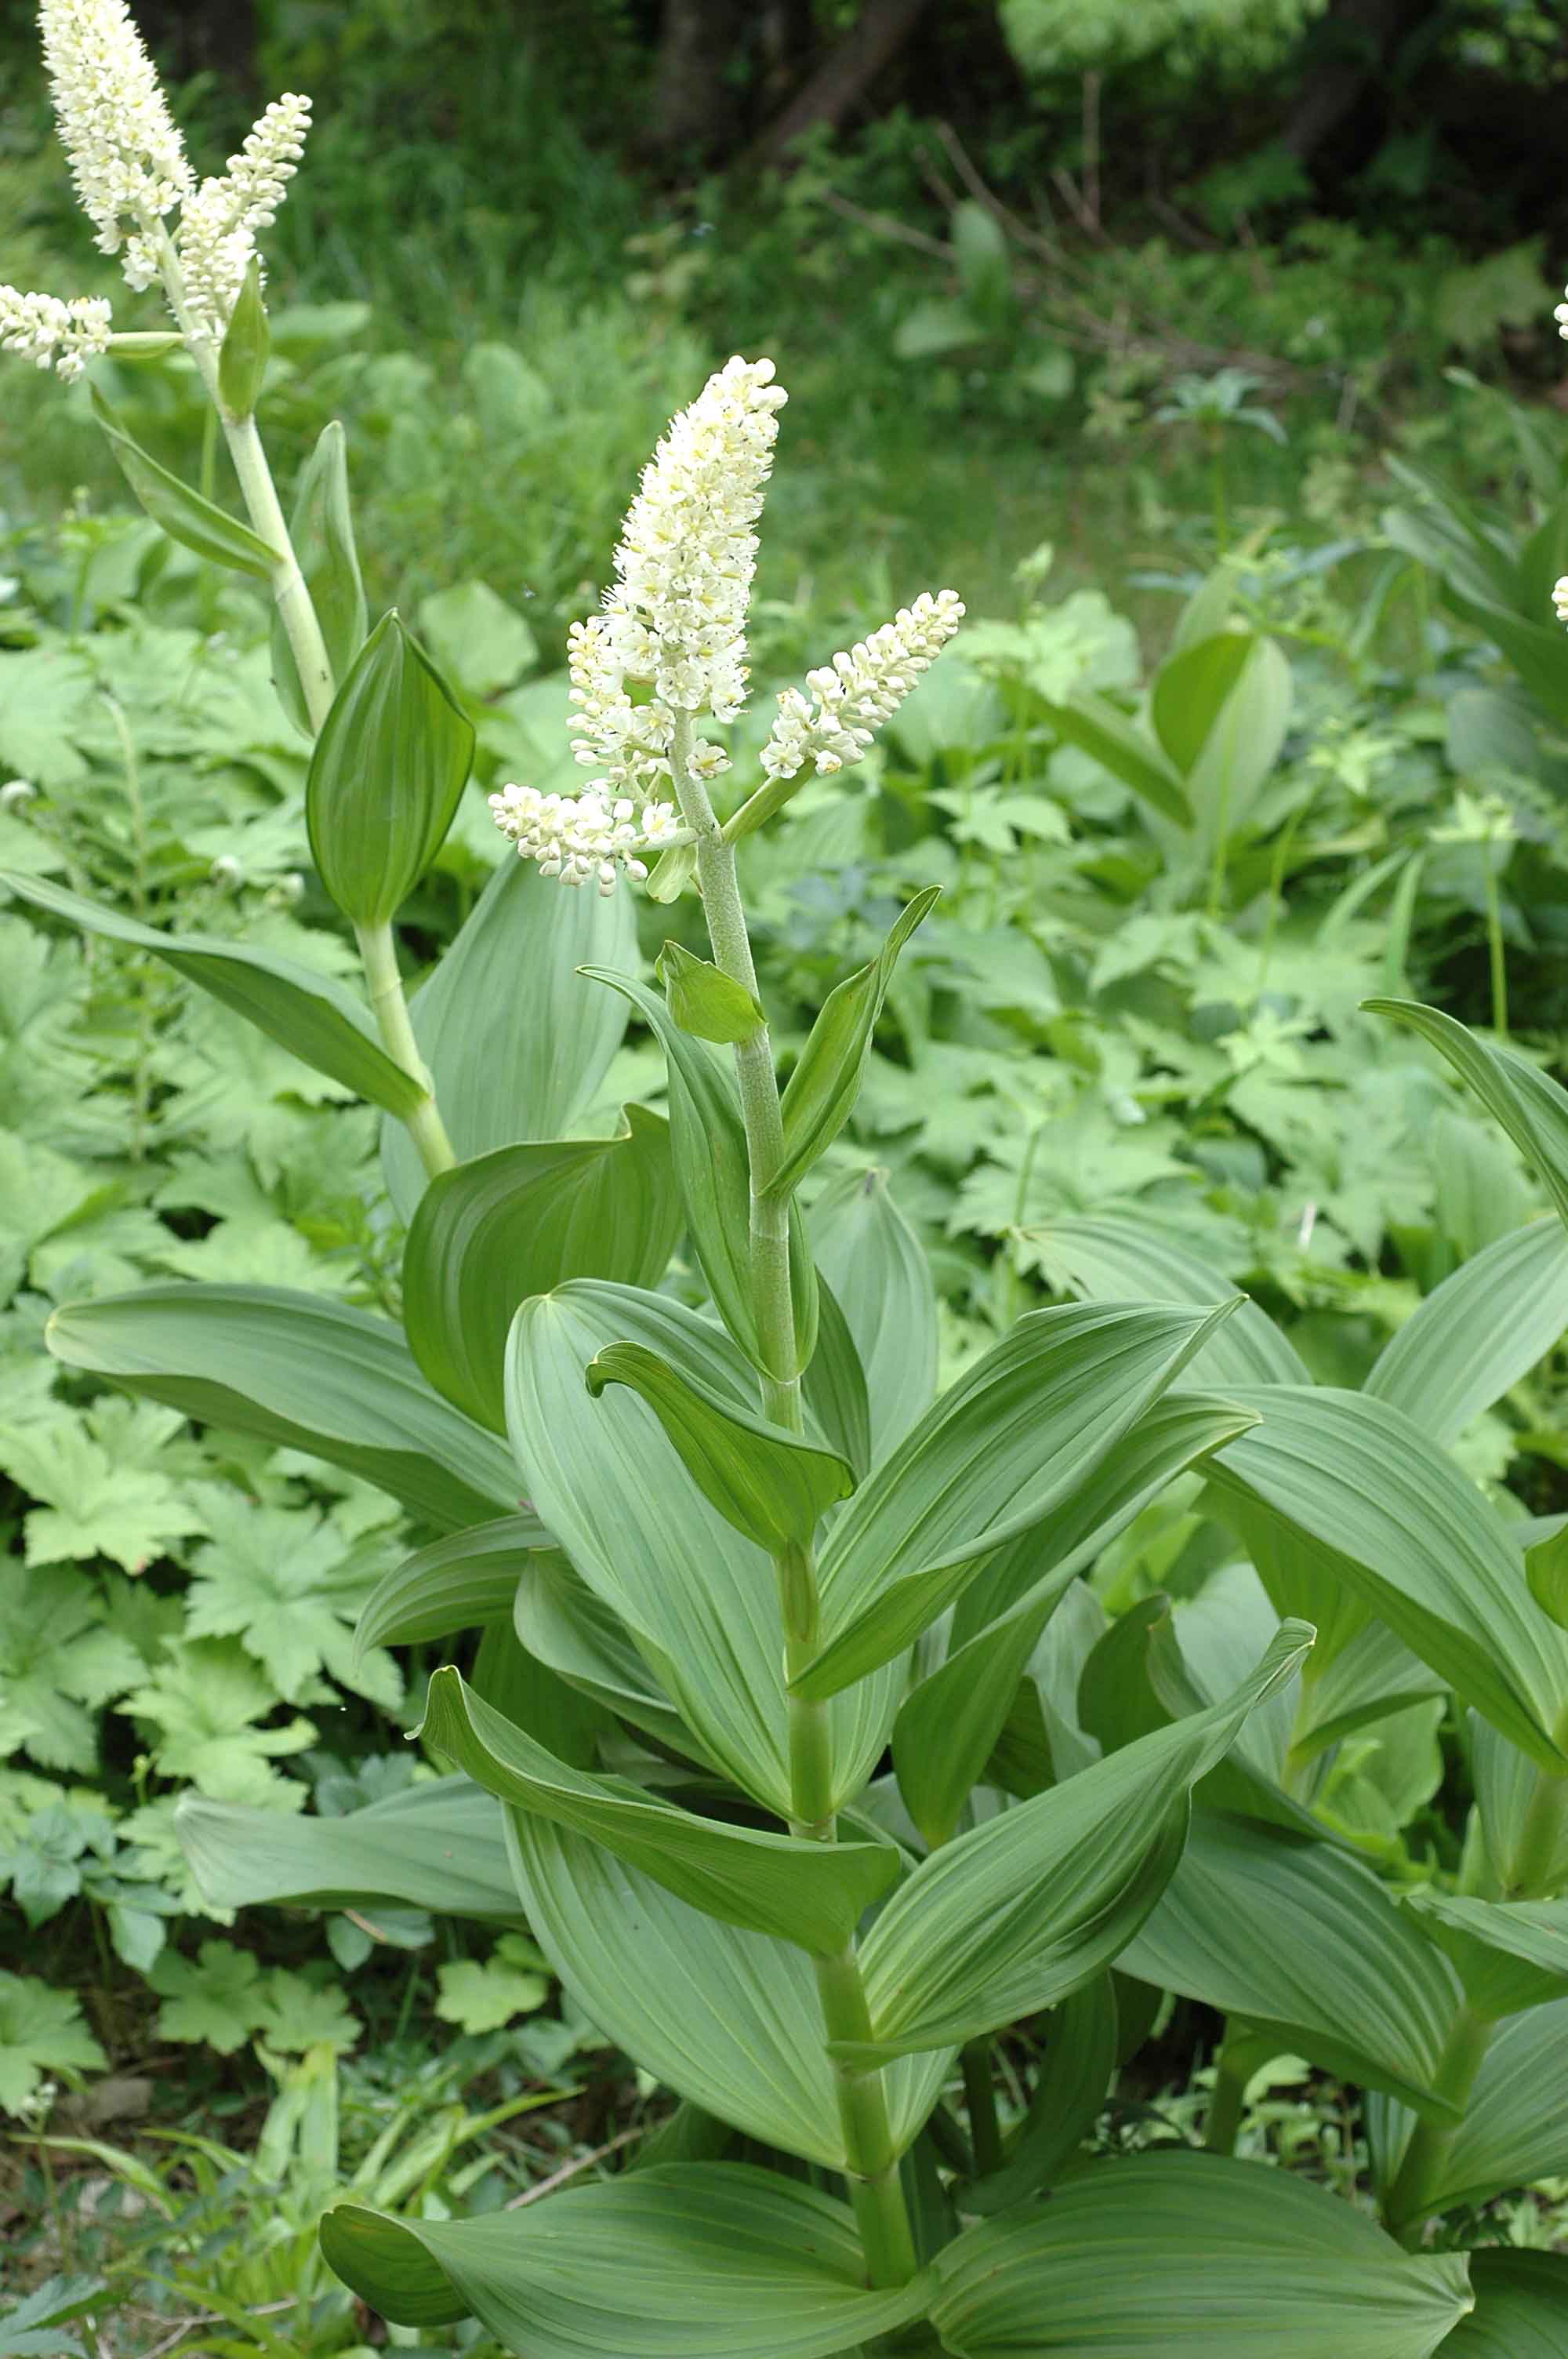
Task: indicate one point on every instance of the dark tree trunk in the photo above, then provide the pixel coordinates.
(692, 100)
(1349, 52)
(192, 36)
(841, 81)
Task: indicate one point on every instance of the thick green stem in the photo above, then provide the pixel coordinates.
(876, 2190)
(1225, 2106)
(1407, 2203)
(979, 2098)
(379, 953)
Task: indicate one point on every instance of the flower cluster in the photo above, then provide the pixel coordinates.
(49, 331)
(218, 224)
(1560, 316)
(858, 689)
(1560, 598)
(576, 837)
(127, 159)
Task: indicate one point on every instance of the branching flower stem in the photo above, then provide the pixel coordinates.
(875, 2187)
(297, 611)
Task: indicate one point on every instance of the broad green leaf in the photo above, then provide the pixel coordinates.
(1373, 1674)
(243, 355)
(713, 1173)
(565, 1625)
(308, 1013)
(1082, 2052)
(1113, 1257)
(1010, 1442)
(465, 1581)
(704, 1000)
(730, 2020)
(1529, 1105)
(825, 1081)
(1479, 1333)
(1515, 2130)
(696, 2260)
(440, 1846)
(770, 1484)
(797, 1890)
(1010, 1918)
(183, 514)
(1302, 1940)
(698, 1599)
(1243, 745)
(322, 531)
(834, 1386)
(1103, 729)
(1420, 1544)
(302, 1372)
(947, 1726)
(1546, 1570)
(877, 1268)
(390, 764)
(517, 1222)
(1193, 2256)
(1190, 691)
(1521, 2307)
(526, 1690)
(517, 1041)
(1509, 1954)
(1510, 1798)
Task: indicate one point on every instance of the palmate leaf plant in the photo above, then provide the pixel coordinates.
(733, 1550)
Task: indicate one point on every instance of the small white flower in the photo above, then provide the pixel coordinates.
(16, 792)
(127, 159)
(860, 689)
(1560, 316)
(227, 873)
(1560, 587)
(218, 224)
(583, 837)
(52, 332)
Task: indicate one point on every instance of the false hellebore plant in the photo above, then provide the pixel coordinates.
(759, 1560)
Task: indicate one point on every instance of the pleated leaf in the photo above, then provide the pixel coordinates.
(1418, 1543)
(516, 1039)
(565, 1624)
(1515, 2130)
(1479, 1333)
(697, 1597)
(1010, 1918)
(877, 1268)
(1300, 1938)
(1082, 2052)
(1521, 2307)
(713, 1174)
(768, 1483)
(517, 1222)
(947, 1726)
(728, 2020)
(799, 1891)
(1529, 1105)
(440, 1846)
(1509, 1954)
(1011, 1441)
(1193, 2256)
(312, 1015)
(697, 2260)
(302, 1372)
(822, 1089)
(466, 1581)
(834, 1386)
(1112, 1257)
(389, 766)
(183, 514)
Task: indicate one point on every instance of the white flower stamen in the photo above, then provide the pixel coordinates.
(860, 689)
(583, 837)
(53, 334)
(126, 156)
(218, 223)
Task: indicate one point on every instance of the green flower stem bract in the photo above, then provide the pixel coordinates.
(875, 2186)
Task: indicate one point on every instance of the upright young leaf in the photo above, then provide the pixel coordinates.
(309, 1014)
(516, 1039)
(1418, 1542)
(322, 531)
(302, 1372)
(1193, 2256)
(796, 1891)
(825, 1081)
(697, 2260)
(243, 355)
(1010, 1918)
(1011, 1440)
(517, 1222)
(1529, 1105)
(877, 1268)
(390, 764)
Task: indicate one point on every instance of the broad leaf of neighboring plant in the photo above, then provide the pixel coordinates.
(1515, 2130)
(683, 2261)
(1198, 2257)
(1521, 2307)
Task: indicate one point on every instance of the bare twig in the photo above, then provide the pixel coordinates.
(570, 2169)
(214, 2318)
(886, 227)
(1091, 147)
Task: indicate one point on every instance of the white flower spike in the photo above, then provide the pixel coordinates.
(579, 837)
(56, 335)
(1560, 597)
(218, 224)
(127, 159)
(860, 690)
